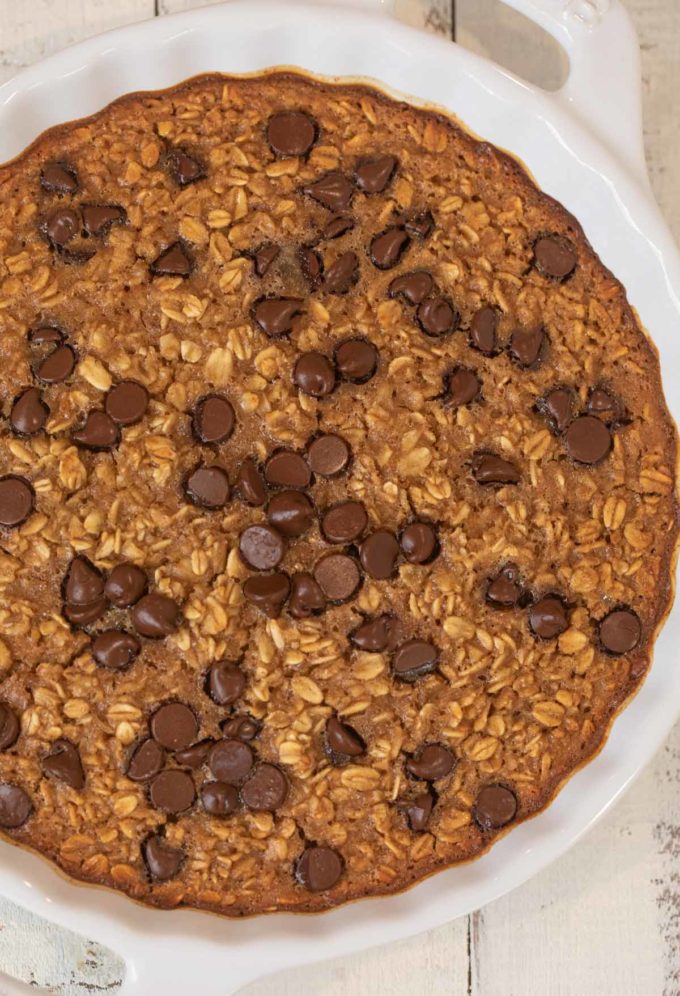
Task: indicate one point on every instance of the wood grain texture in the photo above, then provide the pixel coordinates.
(603, 921)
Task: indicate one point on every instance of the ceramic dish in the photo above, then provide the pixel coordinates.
(584, 147)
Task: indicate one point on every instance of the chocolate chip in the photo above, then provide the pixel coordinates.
(342, 742)
(376, 635)
(172, 791)
(29, 413)
(15, 806)
(63, 762)
(230, 761)
(338, 576)
(45, 335)
(526, 346)
(495, 806)
(333, 190)
(356, 360)
(419, 225)
(306, 597)
(418, 811)
(275, 315)
(61, 226)
(9, 727)
(83, 582)
(419, 542)
(59, 178)
(554, 257)
(156, 616)
(413, 287)
(183, 168)
(436, 316)
(605, 405)
(483, 329)
(174, 725)
(262, 547)
(98, 219)
(76, 257)
(250, 483)
(311, 265)
(125, 585)
(344, 522)
(432, 762)
(588, 440)
(85, 615)
(194, 757)
(162, 860)
(207, 487)
(319, 868)
(328, 455)
(219, 799)
(337, 226)
(314, 374)
(266, 789)
(620, 631)
(263, 257)
(373, 174)
(488, 468)
(146, 760)
(241, 727)
(99, 432)
(548, 617)
(461, 386)
(557, 406)
(268, 593)
(291, 513)
(414, 659)
(379, 553)
(225, 682)
(388, 247)
(291, 133)
(126, 403)
(287, 469)
(115, 649)
(56, 367)
(175, 261)
(342, 274)
(506, 589)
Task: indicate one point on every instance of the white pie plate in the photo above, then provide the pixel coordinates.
(583, 146)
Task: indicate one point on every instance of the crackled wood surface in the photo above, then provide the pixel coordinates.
(603, 920)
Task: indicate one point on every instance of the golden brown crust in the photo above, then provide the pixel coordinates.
(513, 709)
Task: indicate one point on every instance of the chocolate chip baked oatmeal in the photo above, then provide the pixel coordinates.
(337, 495)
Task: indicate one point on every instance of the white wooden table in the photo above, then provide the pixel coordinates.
(603, 921)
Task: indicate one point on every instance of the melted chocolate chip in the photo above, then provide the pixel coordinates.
(588, 440)
(63, 763)
(333, 190)
(557, 406)
(98, 219)
(495, 806)
(342, 274)
(418, 811)
(274, 315)
(487, 468)
(379, 553)
(287, 469)
(230, 761)
(250, 483)
(29, 413)
(328, 455)
(125, 585)
(314, 374)
(436, 317)
(306, 597)
(194, 757)
(9, 727)
(339, 225)
(115, 649)
(414, 659)
(183, 168)
(506, 589)
(219, 799)
(17, 500)
(175, 261)
(311, 265)
(207, 487)
(83, 582)
(46, 335)
(57, 366)
(462, 386)
(413, 287)
(264, 257)
(291, 513)
(262, 547)
(99, 432)
(146, 760)
(337, 574)
(373, 174)
(156, 616)
(85, 615)
(605, 405)
(527, 345)
(388, 247)
(356, 360)
(342, 742)
(376, 635)
(162, 860)
(483, 330)
(344, 522)
(548, 617)
(268, 593)
(15, 806)
(225, 682)
(419, 542)
(620, 631)
(61, 226)
(419, 225)
(554, 257)
(432, 762)
(319, 868)
(266, 789)
(126, 403)
(291, 133)
(241, 727)
(59, 178)
(172, 791)
(174, 725)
